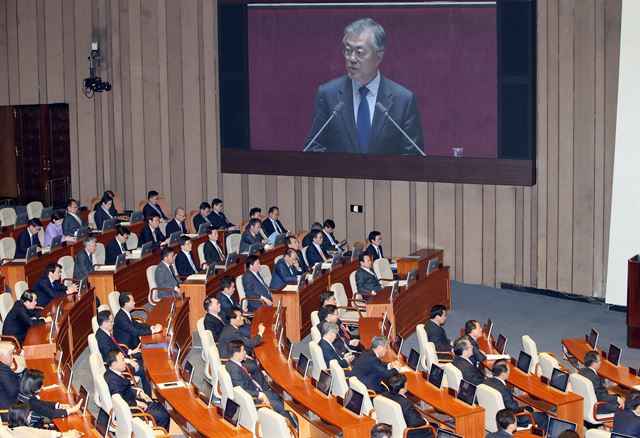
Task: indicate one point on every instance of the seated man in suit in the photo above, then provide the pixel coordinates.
(316, 252)
(329, 333)
(72, 220)
(202, 216)
(293, 243)
(22, 316)
(227, 301)
(473, 331)
(592, 364)
(435, 330)
(463, 351)
(285, 270)
(185, 262)
(254, 285)
(213, 253)
(151, 232)
(240, 376)
(83, 265)
(49, 286)
(213, 320)
(28, 237)
(9, 380)
(177, 223)
(507, 424)
(103, 212)
(231, 332)
(166, 277)
(272, 223)
(345, 341)
(628, 421)
(217, 217)
(127, 330)
(375, 245)
(501, 372)
(120, 384)
(254, 213)
(112, 209)
(107, 343)
(398, 393)
(330, 243)
(117, 245)
(368, 367)
(366, 280)
(252, 236)
(152, 207)
(308, 238)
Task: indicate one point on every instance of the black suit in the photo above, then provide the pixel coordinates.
(100, 216)
(41, 409)
(370, 370)
(219, 220)
(326, 242)
(128, 331)
(626, 422)
(213, 255)
(254, 288)
(122, 385)
(371, 250)
(601, 391)
(106, 345)
(46, 291)
(499, 434)
(230, 333)
(214, 325)
(199, 220)
(146, 235)
(113, 250)
(269, 229)
(83, 265)
(313, 255)
(341, 134)
(184, 267)
(540, 418)
(330, 353)
(173, 226)
(478, 356)
(366, 281)
(301, 262)
(148, 210)
(112, 210)
(19, 320)
(411, 416)
(9, 387)
(247, 240)
(438, 336)
(25, 240)
(469, 373)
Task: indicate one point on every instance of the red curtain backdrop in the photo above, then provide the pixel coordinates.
(445, 55)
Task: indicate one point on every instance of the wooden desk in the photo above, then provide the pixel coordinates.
(418, 260)
(11, 231)
(306, 400)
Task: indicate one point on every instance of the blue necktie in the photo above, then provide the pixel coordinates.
(364, 121)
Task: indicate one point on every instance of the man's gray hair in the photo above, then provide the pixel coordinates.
(6, 348)
(379, 341)
(89, 240)
(329, 327)
(358, 27)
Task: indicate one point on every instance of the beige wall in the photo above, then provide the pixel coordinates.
(161, 121)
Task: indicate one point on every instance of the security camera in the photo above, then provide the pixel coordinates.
(94, 83)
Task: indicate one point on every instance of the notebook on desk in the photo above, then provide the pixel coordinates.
(135, 254)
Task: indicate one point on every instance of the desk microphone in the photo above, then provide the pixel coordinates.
(336, 110)
(382, 108)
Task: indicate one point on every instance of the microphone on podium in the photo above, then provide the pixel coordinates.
(336, 110)
(383, 109)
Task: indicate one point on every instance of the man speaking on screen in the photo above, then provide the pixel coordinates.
(365, 112)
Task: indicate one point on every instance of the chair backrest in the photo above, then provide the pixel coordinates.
(19, 289)
(232, 243)
(584, 388)
(241, 293)
(453, 374)
(315, 320)
(315, 334)
(273, 424)
(390, 412)
(141, 429)
(93, 344)
(491, 400)
(352, 283)
(382, 268)
(94, 200)
(67, 264)
(248, 412)
(596, 433)
(91, 219)
(151, 282)
(34, 209)
(265, 273)
(6, 303)
(114, 305)
(100, 255)
(206, 341)
(96, 365)
(317, 358)
(7, 216)
(547, 364)
(94, 324)
(529, 346)
(213, 359)
(357, 385)
(423, 340)
(201, 253)
(132, 241)
(339, 385)
(102, 389)
(226, 386)
(122, 416)
(341, 297)
(7, 249)
(163, 202)
(190, 228)
(277, 259)
(304, 255)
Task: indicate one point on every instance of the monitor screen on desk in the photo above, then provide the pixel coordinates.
(619, 435)
(231, 412)
(488, 329)
(557, 426)
(397, 344)
(593, 338)
(435, 376)
(353, 401)
(614, 354)
(302, 365)
(467, 392)
(559, 380)
(412, 360)
(501, 344)
(205, 392)
(324, 382)
(433, 265)
(524, 362)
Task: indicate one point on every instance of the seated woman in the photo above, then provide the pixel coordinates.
(20, 418)
(30, 387)
(55, 229)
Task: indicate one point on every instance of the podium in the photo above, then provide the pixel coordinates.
(633, 302)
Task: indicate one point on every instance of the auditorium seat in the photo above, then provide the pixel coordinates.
(226, 386)
(367, 406)
(277, 259)
(304, 255)
(454, 376)
(189, 223)
(390, 412)
(491, 400)
(67, 264)
(7, 249)
(94, 323)
(265, 273)
(339, 385)
(248, 409)
(382, 269)
(314, 318)
(273, 424)
(201, 254)
(213, 358)
(19, 288)
(584, 388)
(100, 254)
(206, 341)
(93, 343)
(142, 430)
(232, 243)
(529, 346)
(547, 364)
(315, 334)
(428, 354)
(91, 220)
(123, 417)
(318, 360)
(153, 287)
(596, 433)
(132, 241)
(6, 303)
(349, 312)
(7, 216)
(102, 397)
(244, 301)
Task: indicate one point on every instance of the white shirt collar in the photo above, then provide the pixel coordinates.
(371, 86)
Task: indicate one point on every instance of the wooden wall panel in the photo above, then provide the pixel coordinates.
(158, 129)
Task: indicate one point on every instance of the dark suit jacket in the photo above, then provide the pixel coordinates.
(598, 386)
(269, 229)
(469, 373)
(241, 379)
(341, 135)
(282, 274)
(70, 224)
(438, 336)
(303, 265)
(112, 210)
(173, 226)
(106, 344)
(112, 251)
(146, 236)
(253, 288)
(24, 242)
(47, 291)
(313, 255)
(183, 266)
(219, 220)
(100, 217)
(19, 320)
(214, 325)
(148, 211)
(626, 422)
(370, 370)
(230, 333)
(411, 416)
(326, 243)
(478, 356)
(198, 220)
(83, 265)
(505, 392)
(499, 434)
(226, 302)
(247, 240)
(329, 354)
(211, 254)
(9, 386)
(367, 282)
(340, 344)
(128, 331)
(120, 385)
(306, 240)
(371, 250)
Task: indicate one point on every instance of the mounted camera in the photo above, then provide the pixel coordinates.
(94, 83)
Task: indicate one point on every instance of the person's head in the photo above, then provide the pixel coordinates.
(274, 212)
(633, 402)
(255, 212)
(19, 414)
(254, 225)
(105, 320)
(54, 271)
(375, 238)
(234, 316)
(328, 313)
(72, 206)
(381, 430)
(292, 242)
(365, 261)
(380, 345)
(122, 233)
(31, 382)
(6, 352)
(212, 233)
(329, 225)
(592, 360)
(236, 350)
(115, 361)
(179, 214)
(212, 305)
(462, 347)
(316, 226)
(364, 41)
(227, 285)
(473, 328)
(29, 298)
(568, 434)
(501, 369)
(153, 220)
(329, 331)
(253, 263)
(152, 197)
(216, 205)
(185, 243)
(106, 201)
(34, 225)
(317, 236)
(57, 217)
(397, 383)
(326, 298)
(290, 256)
(205, 209)
(90, 244)
(167, 255)
(506, 420)
(109, 193)
(126, 301)
(438, 314)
